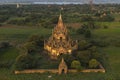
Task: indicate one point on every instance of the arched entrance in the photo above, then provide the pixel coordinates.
(62, 67)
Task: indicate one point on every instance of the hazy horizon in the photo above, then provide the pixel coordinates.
(61, 1)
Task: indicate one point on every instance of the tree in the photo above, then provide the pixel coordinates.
(4, 44)
(83, 44)
(93, 63)
(38, 40)
(82, 29)
(29, 47)
(107, 18)
(76, 64)
(25, 61)
(87, 33)
(86, 18)
(84, 57)
(67, 57)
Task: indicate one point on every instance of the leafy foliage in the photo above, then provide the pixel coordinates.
(93, 63)
(4, 44)
(86, 18)
(29, 47)
(25, 61)
(76, 64)
(68, 59)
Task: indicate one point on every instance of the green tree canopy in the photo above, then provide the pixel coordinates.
(29, 47)
(25, 61)
(84, 56)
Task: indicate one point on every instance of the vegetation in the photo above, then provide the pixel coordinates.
(98, 36)
(76, 64)
(25, 61)
(93, 63)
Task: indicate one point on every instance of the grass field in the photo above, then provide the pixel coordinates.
(8, 54)
(109, 24)
(20, 33)
(111, 32)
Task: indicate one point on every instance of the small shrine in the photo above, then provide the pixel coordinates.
(62, 67)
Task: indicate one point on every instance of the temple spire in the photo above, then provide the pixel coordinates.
(60, 22)
(63, 60)
(60, 17)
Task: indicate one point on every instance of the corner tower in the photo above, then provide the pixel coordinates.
(59, 42)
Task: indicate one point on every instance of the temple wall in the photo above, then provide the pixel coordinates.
(102, 70)
(56, 71)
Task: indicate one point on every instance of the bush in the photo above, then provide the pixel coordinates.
(4, 44)
(93, 63)
(76, 64)
(105, 27)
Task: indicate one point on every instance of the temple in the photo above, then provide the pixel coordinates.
(59, 42)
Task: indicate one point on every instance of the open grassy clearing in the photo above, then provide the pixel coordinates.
(17, 33)
(110, 32)
(8, 54)
(113, 54)
(109, 24)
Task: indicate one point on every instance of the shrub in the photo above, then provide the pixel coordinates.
(93, 63)
(76, 64)
(105, 27)
(4, 44)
